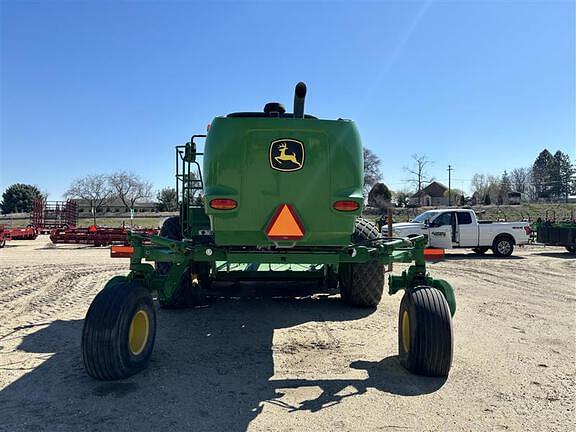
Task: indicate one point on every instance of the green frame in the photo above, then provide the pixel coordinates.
(183, 254)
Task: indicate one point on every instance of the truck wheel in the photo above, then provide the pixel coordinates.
(361, 284)
(480, 250)
(119, 331)
(571, 249)
(425, 338)
(503, 246)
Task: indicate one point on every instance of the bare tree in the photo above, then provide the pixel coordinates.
(129, 187)
(372, 173)
(520, 179)
(419, 171)
(479, 185)
(92, 188)
(493, 185)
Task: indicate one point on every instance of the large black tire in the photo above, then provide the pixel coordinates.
(425, 337)
(192, 289)
(480, 250)
(503, 246)
(170, 229)
(362, 284)
(119, 331)
(330, 277)
(188, 294)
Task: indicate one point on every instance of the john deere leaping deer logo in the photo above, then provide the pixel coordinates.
(286, 155)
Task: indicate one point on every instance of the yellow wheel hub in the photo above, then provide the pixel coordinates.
(139, 332)
(405, 331)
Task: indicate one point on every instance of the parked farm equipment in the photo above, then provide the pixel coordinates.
(49, 215)
(280, 189)
(28, 233)
(556, 233)
(94, 235)
(3, 236)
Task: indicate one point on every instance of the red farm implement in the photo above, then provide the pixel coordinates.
(28, 233)
(4, 235)
(97, 236)
(49, 215)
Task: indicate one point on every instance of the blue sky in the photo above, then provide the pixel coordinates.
(94, 87)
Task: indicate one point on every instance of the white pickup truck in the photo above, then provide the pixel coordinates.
(460, 228)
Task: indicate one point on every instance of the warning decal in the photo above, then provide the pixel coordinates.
(285, 224)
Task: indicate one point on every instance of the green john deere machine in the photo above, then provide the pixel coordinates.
(553, 232)
(282, 201)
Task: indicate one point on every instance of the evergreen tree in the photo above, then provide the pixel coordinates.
(18, 198)
(543, 171)
(562, 182)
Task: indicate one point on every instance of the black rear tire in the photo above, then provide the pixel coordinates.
(188, 294)
(330, 277)
(425, 337)
(119, 331)
(362, 284)
(503, 246)
(172, 230)
(192, 289)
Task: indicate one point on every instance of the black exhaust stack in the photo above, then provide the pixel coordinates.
(299, 97)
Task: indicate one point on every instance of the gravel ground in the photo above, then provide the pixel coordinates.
(260, 363)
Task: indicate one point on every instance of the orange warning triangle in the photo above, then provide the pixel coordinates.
(285, 225)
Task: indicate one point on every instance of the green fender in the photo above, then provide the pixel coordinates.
(448, 292)
(114, 280)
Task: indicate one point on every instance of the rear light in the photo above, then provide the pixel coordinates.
(346, 205)
(528, 230)
(223, 204)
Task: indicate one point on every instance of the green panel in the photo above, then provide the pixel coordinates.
(197, 221)
(237, 166)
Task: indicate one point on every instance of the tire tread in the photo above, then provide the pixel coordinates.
(103, 334)
(431, 335)
(362, 284)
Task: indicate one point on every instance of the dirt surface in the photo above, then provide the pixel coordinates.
(310, 363)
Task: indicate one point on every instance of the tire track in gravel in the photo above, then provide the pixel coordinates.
(508, 277)
(66, 290)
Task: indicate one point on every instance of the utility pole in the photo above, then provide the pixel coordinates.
(450, 169)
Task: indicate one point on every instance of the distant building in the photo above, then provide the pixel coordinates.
(435, 194)
(116, 206)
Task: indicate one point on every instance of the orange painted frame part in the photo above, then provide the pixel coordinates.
(432, 254)
(121, 251)
(294, 229)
